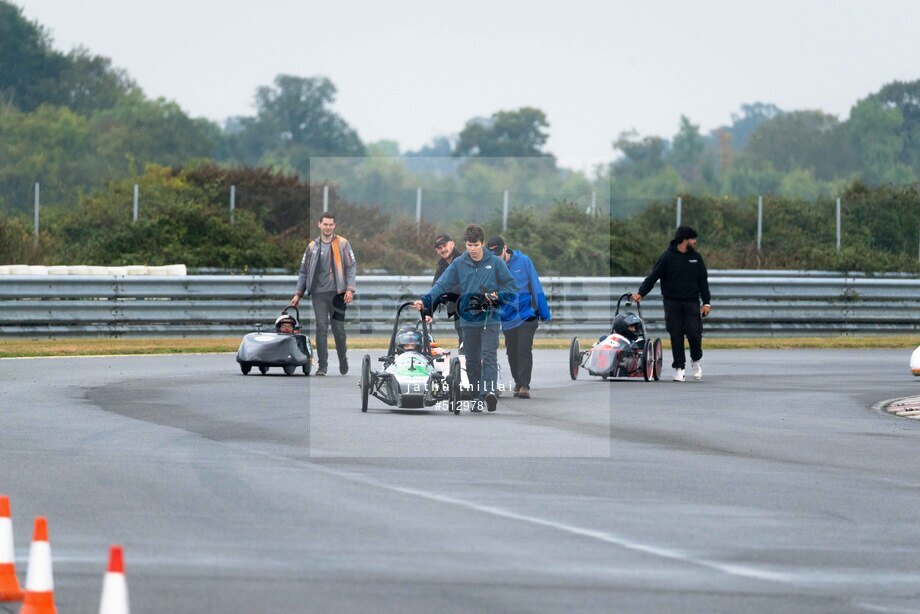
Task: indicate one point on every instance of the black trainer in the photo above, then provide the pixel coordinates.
(476, 406)
(321, 371)
(491, 401)
(343, 366)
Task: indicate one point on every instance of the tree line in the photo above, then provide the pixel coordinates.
(185, 218)
(87, 132)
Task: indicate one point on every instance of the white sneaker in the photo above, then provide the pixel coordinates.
(679, 375)
(696, 369)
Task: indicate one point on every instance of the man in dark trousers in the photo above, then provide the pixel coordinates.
(684, 284)
(447, 250)
(327, 274)
(483, 284)
(522, 316)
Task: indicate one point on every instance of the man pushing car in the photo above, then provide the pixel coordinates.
(483, 283)
(684, 285)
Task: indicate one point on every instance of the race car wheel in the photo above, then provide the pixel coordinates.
(263, 370)
(574, 358)
(454, 382)
(245, 367)
(307, 367)
(365, 381)
(647, 364)
(289, 369)
(659, 355)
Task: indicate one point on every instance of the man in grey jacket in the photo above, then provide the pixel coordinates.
(327, 274)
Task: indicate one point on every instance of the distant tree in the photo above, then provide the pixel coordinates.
(138, 131)
(520, 133)
(383, 148)
(439, 146)
(293, 123)
(688, 150)
(742, 179)
(641, 158)
(29, 68)
(32, 73)
(49, 145)
(747, 122)
(435, 157)
(91, 83)
(810, 140)
(878, 137)
(905, 96)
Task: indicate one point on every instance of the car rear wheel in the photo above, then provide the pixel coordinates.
(365, 381)
(245, 367)
(659, 356)
(574, 358)
(289, 369)
(263, 370)
(647, 364)
(454, 381)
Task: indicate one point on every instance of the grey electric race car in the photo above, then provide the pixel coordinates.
(285, 348)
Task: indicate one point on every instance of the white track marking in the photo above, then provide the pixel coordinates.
(741, 571)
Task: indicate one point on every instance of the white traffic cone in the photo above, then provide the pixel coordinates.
(39, 598)
(9, 585)
(115, 586)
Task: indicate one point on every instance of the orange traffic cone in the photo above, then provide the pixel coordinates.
(114, 586)
(9, 585)
(39, 598)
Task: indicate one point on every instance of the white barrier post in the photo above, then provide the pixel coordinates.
(135, 203)
(232, 203)
(505, 211)
(418, 207)
(679, 203)
(35, 240)
(759, 220)
(325, 198)
(838, 225)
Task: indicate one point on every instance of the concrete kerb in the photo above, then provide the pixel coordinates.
(903, 407)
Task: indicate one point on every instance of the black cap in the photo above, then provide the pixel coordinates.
(496, 244)
(441, 239)
(684, 232)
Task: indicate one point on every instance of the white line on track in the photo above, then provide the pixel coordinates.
(741, 571)
(118, 355)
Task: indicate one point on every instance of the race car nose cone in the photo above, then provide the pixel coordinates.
(915, 362)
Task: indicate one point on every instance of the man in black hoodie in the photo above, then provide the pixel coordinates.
(684, 284)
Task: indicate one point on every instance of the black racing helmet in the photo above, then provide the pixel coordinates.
(408, 339)
(628, 325)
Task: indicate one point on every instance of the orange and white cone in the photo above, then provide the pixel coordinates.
(39, 598)
(115, 586)
(9, 585)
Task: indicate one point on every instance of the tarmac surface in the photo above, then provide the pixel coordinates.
(773, 484)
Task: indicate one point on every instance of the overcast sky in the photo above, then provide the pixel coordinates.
(412, 70)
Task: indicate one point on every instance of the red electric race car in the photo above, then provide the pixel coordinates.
(625, 352)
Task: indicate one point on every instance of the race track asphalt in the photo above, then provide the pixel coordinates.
(770, 485)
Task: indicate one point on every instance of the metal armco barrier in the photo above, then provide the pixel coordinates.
(752, 303)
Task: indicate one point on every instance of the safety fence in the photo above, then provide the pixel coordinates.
(745, 303)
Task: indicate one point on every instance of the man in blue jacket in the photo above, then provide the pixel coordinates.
(483, 284)
(521, 317)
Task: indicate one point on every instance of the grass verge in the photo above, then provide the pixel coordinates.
(21, 348)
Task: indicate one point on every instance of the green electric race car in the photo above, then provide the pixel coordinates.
(409, 378)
